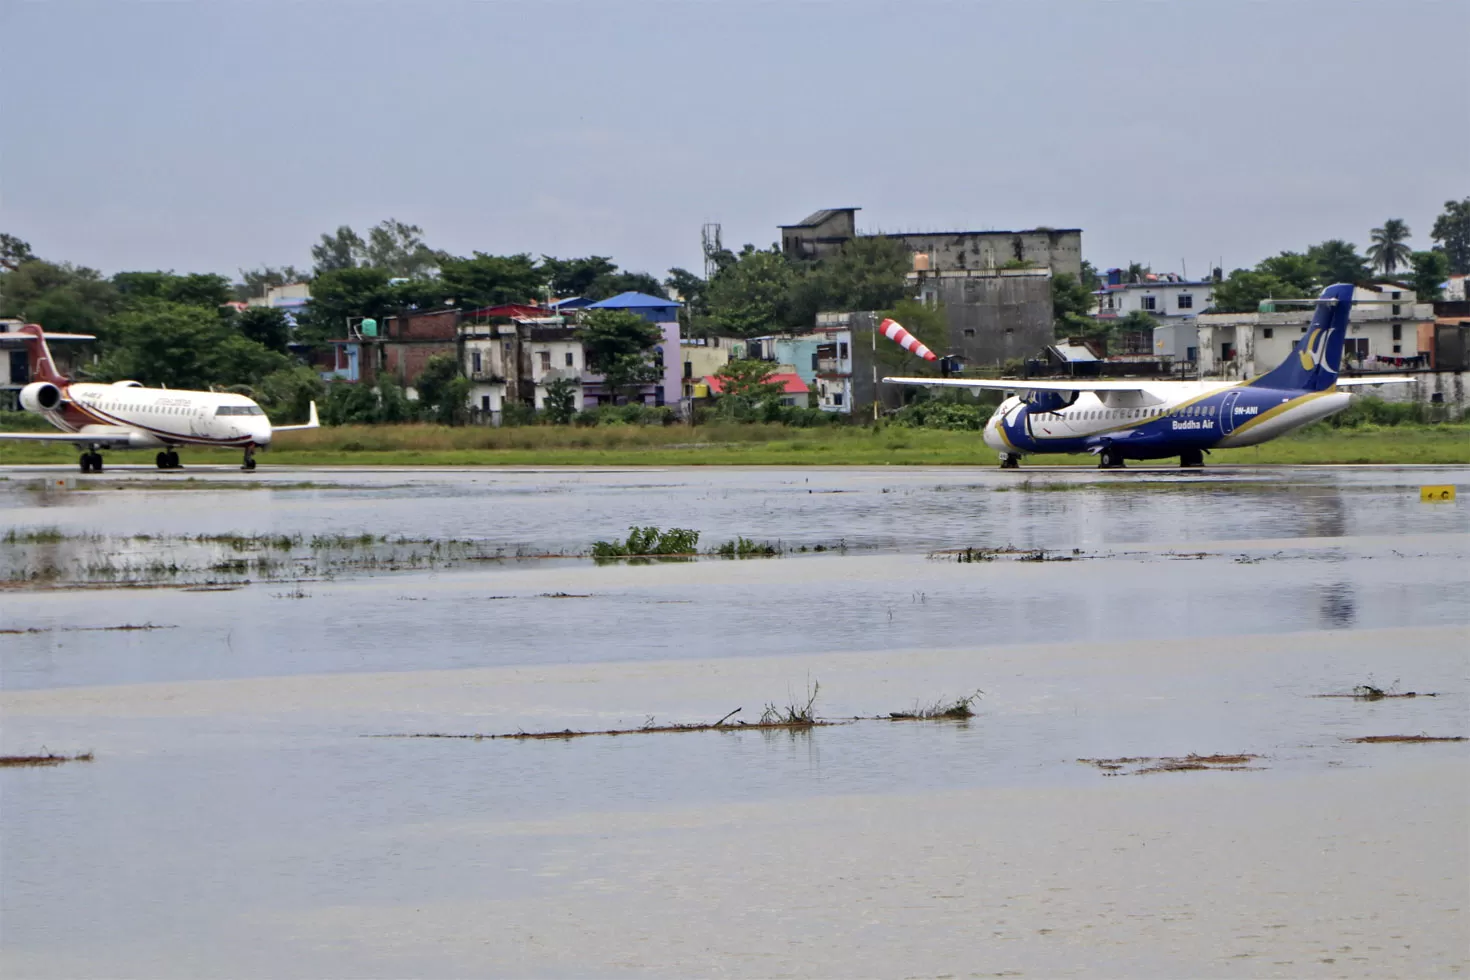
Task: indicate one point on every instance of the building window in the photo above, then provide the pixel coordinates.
(1149, 303)
(1397, 310)
(571, 361)
(546, 360)
(836, 398)
(842, 351)
(1267, 332)
(1186, 301)
(1398, 348)
(1395, 294)
(475, 362)
(1398, 331)
(688, 369)
(484, 403)
(969, 331)
(816, 360)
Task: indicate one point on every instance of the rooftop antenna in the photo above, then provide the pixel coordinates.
(709, 237)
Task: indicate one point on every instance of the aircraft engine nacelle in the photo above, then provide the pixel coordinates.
(40, 396)
(1051, 401)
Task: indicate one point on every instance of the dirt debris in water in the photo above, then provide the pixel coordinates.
(1138, 765)
(49, 759)
(1375, 739)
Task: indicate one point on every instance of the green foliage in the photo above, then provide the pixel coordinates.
(866, 274)
(14, 252)
(1338, 261)
(181, 346)
(255, 282)
(342, 250)
(934, 414)
(1365, 410)
(1070, 301)
(349, 404)
(491, 280)
(750, 296)
(62, 298)
(1243, 291)
(649, 541)
(747, 388)
(196, 289)
(1390, 250)
(1294, 269)
(746, 548)
(604, 287)
(267, 327)
(618, 344)
(633, 413)
(443, 390)
(561, 401)
(346, 292)
(287, 394)
(1452, 233)
(393, 403)
(574, 277)
(692, 290)
(1089, 279)
(399, 248)
(1431, 269)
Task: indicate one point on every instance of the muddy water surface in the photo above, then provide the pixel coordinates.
(236, 820)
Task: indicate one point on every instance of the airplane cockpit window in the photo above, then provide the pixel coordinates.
(239, 410)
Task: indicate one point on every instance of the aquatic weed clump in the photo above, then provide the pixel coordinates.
(746, 548)
(650, 541)
(958, 709)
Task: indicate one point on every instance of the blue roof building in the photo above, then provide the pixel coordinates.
(654, 309)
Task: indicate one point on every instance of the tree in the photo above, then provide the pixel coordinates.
(1070, 305)
(443, 390)
(686, 286)
(400, 249)
(181, 345)
(1293, 268)
(491, 280)
(612, 284)
(749, 297)
(342, 293)
(1452, 232)
(343, 250)
(866, 274)
(1389, 250)
(63, 298)
(255, 282)
(13, 252)
(1338, 261)
(287, 394)
(1243, 291)
(1431, 269)
(561, 401)
(268, 327)
(746, 387)
(618, 344)
(1089, 278)
(574, 277)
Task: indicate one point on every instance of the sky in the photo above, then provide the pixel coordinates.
(216, 135)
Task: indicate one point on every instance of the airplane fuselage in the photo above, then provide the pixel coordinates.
(1157, 421)
(159, 417)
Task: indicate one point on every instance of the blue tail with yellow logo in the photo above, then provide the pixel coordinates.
(1314, 362)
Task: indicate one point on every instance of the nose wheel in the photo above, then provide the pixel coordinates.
(249, 463)
(1010, 461)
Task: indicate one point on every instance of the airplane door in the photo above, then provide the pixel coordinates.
(1227, 413)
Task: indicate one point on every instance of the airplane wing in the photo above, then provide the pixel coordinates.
(1385, 380)
(1017, 384)
(311, 423)
(93, 435)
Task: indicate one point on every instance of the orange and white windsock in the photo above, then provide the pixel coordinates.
(895, 332)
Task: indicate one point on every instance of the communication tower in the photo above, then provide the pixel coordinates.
(709, 237)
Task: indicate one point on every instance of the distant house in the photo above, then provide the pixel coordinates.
(793, 389)
(663, 313)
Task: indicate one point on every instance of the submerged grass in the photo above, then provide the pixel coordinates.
(957, 709)
(1140, 765)
(49, 759)
(1375, 739)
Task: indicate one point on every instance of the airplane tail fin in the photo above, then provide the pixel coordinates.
(1314, 362)
(38, 356)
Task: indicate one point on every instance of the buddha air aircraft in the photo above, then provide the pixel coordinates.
(126, 415)
(1119, 419)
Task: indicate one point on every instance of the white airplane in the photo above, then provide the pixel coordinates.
(126, 415)
(1145, 419)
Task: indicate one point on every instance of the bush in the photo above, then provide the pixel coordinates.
(649, 541)
(942, 415)
(1368, 410)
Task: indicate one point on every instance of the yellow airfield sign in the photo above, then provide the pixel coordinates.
(1437, 494)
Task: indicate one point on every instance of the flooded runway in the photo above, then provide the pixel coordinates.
(237, 822)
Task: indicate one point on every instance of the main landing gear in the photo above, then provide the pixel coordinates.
(249, 463)
(91, 461)
(1110, 459)
(1010, 461)
(168, 461)
(1192, 457)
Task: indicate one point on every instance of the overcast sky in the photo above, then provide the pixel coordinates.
(210, 136)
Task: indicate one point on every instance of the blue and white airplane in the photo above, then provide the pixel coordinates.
(1122, 419)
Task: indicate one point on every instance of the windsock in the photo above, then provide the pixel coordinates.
(895, 332)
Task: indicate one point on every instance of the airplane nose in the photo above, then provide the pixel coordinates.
(259, 431)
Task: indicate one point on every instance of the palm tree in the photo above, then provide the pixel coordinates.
(1388, 250)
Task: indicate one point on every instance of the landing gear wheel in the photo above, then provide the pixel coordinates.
(1110, 459)
(1010, 461)
(1192, 457)
(249, 463)
(90, 462)
(173, 460)
(162, 460)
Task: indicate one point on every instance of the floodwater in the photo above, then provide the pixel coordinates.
(237, 822)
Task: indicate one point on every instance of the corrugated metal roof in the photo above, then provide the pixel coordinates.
(817, 217)
(1076, 353)
(633, 301)
(791, 384)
